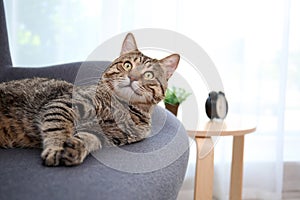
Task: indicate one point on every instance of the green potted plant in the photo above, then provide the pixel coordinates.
(174, 97)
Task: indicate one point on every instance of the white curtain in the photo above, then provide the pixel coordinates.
(255, 46)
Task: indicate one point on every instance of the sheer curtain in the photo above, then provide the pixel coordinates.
(254, 44)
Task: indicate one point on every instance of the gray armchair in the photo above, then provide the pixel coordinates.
(22, 175)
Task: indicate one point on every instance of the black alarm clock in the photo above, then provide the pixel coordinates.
(216, 105)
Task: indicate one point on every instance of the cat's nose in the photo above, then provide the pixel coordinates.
(132, 77)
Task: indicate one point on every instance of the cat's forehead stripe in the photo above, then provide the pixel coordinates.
(134, 55)
(117, 63)
(147, 61)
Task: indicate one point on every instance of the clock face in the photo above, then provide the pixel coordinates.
(221, 106)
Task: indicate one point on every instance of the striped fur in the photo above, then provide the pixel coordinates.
(69, 121)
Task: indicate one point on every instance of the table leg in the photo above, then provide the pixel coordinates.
(204, 169)
(236, 181)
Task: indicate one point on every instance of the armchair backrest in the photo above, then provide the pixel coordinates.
(5, 58)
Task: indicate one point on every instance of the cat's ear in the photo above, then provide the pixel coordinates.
(129, 44)
(170, 64)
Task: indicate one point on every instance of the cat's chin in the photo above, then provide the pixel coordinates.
(128, 94)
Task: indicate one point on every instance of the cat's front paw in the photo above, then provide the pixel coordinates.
(71, 153)
(52, 155)
(74, 152)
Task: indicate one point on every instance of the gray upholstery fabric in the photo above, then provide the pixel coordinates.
(22, 175)
(5, 58)
(66, 72)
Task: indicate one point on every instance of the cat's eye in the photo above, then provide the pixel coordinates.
(148, 75)
(127, 66)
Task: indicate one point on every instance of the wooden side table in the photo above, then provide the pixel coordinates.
(205, 156)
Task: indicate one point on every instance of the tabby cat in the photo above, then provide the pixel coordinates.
(69, 121)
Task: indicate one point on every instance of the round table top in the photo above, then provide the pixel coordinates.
(226, 127)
